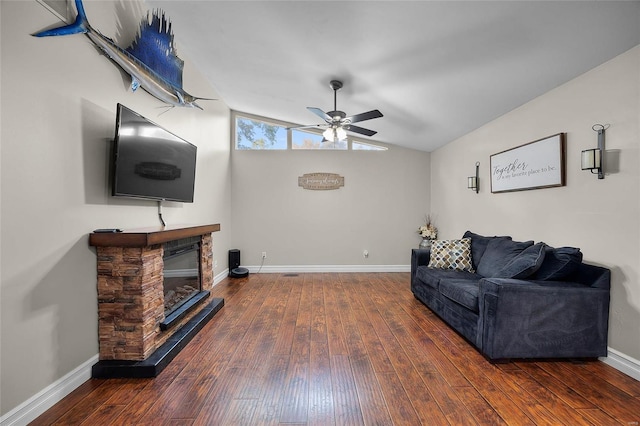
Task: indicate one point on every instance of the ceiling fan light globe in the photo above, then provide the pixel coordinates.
(329, 135)
(341, 134)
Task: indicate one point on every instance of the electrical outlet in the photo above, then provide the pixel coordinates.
(264, 254)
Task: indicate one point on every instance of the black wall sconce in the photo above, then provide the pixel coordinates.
(473, 182)
(593, 159)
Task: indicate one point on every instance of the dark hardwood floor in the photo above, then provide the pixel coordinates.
(353, 348)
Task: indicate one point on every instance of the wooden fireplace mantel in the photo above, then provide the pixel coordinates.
(144, 237)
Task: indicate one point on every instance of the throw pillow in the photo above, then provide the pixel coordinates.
(498, 254)
(451, 254)
(479, 245)
(558, 263)
(524, 264)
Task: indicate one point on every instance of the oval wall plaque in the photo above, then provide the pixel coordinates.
(320, 181)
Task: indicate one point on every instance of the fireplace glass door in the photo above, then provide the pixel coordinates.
(181, 272)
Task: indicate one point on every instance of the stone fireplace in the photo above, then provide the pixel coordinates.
(138, 335)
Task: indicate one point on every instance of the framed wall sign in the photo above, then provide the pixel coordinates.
(535, 165)
(321, 181)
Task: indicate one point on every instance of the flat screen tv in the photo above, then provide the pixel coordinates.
(151, 162)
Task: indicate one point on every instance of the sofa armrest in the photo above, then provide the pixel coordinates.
(419, 257)
(529, 319)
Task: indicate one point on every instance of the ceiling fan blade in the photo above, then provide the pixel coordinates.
(369, 115)
(320, 113)
(361, 130)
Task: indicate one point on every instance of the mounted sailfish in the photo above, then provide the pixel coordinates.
(151, 60)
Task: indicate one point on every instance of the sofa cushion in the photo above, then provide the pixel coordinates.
(451, 254)
(479, 245)
(558, 263)
(498, 254)
(432, 277)
(463, 292)
(524, 264)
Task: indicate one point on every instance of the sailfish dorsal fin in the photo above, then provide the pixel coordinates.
(154, 47)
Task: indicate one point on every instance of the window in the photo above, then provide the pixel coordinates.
(258, 134)
(309, 140)
(361, 146)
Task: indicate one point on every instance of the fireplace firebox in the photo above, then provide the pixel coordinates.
(153, 296)
(181, 278)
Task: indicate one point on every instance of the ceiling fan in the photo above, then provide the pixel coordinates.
(337, 123)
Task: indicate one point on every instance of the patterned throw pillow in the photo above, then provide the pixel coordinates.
(451, 254)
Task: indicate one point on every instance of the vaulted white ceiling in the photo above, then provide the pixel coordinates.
(436, 69)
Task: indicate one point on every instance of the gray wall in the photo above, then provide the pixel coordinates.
(599, 216)
(379, 209)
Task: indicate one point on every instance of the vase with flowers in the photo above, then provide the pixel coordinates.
(428, 232)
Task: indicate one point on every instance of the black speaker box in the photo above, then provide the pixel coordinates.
(235, 271)
(234, 258)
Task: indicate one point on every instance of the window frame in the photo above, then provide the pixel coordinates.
(289, 127)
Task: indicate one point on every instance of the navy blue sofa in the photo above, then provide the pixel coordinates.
(520, 299)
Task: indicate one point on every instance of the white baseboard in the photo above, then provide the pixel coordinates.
(49, 396)
(221, 276)
(624, 363)
(277, 269)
